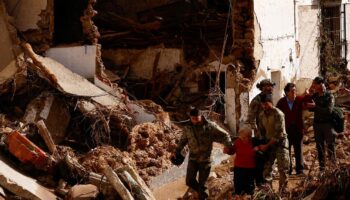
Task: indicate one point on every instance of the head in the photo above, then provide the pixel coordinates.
(266, 102)
(333, 82)
(290, 90)
(318, 85)
(266, 86)
(195, 116)
(245, 133)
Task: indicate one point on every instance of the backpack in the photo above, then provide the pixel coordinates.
(337, 118)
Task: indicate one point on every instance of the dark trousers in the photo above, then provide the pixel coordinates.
(203, 170)
(260, 163)
(243, 180)
(324, 134)
(295, 139)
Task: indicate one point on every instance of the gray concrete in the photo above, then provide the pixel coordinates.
(175, 173)
(22, 185)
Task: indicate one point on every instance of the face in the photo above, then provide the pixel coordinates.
(332, 85)
(292, 93)
(245, 135)
(266, 106)
(196, 119)
(316, 87)
(267, 89)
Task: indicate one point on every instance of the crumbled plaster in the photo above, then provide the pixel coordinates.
(35, 20)
(89, 29)
(12, 67)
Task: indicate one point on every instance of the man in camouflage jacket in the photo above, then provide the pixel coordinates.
(266, 87)
(272, 128)
(199, 135)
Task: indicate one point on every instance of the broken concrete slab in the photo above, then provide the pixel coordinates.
(142, 61)
(71, 83)
(26, 14)
(53, 111)
(22, 185)
(83, 192)
(140, 114)
(9, 50)
(79, 59)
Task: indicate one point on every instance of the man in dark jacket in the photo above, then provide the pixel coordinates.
(324, 133)
(292, 107)
(199, 134)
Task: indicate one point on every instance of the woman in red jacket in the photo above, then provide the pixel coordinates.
(244, 163)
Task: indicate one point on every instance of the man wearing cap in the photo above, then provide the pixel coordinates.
(199, 134)
(266, 87)
(272, 127)
(322, 106)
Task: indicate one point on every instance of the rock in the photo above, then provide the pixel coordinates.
(83, 192)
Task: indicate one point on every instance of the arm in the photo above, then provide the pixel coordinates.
(280, 104)
(253, 112)
(326, 110)
(261, 128)
(220, 135)
(183, 141)
(230, 150)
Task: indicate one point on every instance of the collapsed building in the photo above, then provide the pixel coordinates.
(73, 76)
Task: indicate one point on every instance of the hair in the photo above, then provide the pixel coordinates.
(244, 130)
(266, 98)
(319, 80)
(288, 87)
(194, 112)
(265, 82)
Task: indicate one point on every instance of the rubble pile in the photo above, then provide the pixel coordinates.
(105, 155)
(151, 147)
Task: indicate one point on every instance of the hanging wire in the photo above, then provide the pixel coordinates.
(215, 94)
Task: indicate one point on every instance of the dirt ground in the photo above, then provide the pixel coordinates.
(220, 180)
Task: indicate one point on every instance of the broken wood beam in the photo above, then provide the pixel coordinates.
(139, 180)
(117, 184)
(134, 187)
(46, 135)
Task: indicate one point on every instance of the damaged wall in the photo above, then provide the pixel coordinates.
(347, 36)
(308, 32)
(278, 42)
(26, 14)
(7, 57)
(34, 19)
(142, 62)
(79, 59)
(9, 50)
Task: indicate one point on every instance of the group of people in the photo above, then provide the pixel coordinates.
(268, 135)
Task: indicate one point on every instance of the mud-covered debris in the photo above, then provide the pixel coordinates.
(151, 147)
(115, 158)
(82, 192)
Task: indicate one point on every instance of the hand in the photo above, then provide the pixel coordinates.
(263, 147)
(228, 150)
(310, 105)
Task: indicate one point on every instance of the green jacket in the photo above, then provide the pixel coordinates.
(254, 111)
(200, 138)
(272, 126)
